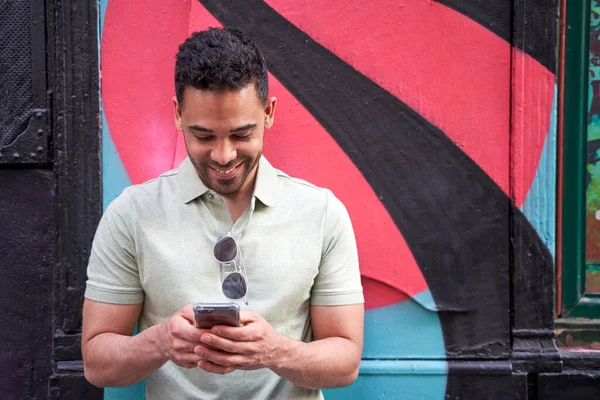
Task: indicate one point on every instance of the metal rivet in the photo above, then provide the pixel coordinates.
(15, 155)
(40, 149)
(32, 155)
(40, 132)
(38, 114)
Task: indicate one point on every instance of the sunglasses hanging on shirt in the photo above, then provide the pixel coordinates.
(228, 254)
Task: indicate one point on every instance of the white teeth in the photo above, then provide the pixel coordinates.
(225, 172)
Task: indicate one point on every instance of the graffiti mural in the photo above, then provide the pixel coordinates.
(405, 113)
(592, 253)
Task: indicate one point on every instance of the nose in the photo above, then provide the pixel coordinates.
(224, 153)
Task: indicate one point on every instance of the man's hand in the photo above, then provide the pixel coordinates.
(252, 346)
(179, 339)
(332, 359)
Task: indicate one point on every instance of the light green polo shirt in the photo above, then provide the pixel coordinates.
(154, 245)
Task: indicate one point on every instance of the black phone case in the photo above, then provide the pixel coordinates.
(208, 315)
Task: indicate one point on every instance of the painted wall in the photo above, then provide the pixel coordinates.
(592, 256)
(437, 134)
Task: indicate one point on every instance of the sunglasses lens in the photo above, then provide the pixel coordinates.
(225, 249)
(234, 286)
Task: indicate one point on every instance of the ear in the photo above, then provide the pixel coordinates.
(177, 114)
(270, 112)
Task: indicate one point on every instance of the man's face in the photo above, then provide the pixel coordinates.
(224, 134)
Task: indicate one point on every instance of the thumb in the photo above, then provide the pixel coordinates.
(247, 316)
(187, 312)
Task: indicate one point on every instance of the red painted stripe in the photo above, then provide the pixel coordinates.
(139, 43)
(450, 69)
(378, 294)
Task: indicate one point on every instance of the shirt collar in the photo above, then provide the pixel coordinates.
(192, 187)
(190, 184)
(266, 182)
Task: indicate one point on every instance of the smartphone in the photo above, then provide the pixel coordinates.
(208, 315)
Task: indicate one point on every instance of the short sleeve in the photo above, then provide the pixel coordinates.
(112, 271)
(338, 281)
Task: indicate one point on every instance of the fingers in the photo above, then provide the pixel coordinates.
(248, 316)
(189, 333)
(187, 312)
(182, 346)
(220, 343)
(219, 350)
(214, 368)
(237, 334)
(187, 323)
(180, 327)
(222, 359)
(181, 337)
(187, 360)
(247, 333)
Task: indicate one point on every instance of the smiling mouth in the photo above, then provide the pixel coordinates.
(225, 173)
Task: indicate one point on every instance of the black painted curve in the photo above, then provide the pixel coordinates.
(454, 218)
(533, 29)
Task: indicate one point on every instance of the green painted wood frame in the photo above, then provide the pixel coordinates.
(575, 302)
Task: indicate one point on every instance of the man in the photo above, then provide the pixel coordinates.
(152, 255)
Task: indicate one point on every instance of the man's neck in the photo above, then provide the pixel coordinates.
(239, 201)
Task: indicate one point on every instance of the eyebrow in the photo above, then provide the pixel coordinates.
(243, 128)
(199, 128)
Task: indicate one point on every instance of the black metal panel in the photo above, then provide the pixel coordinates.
(67, 347)
(76, 151)
(27, 242)
(484, 380)
(24, 133)
(16, 82)
(569, 385)
(581, 360)
(31, 147)
(70, 384)
(532, 272)
(74, 80)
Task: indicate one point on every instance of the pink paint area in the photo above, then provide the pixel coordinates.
(138, 50)
(447, 67)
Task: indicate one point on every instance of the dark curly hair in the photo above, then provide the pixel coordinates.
(220, 59)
